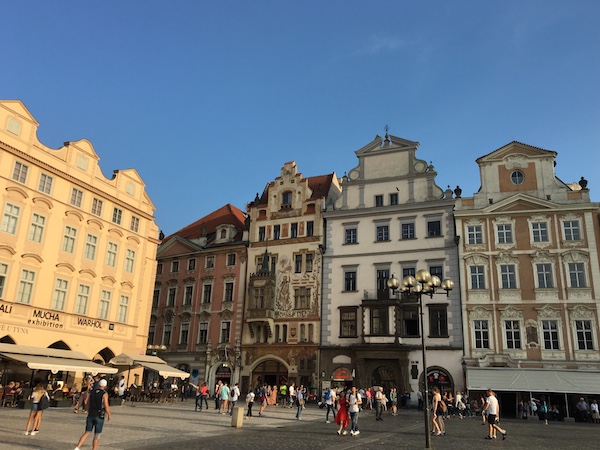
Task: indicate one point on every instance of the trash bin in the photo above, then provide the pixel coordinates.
(237, 417)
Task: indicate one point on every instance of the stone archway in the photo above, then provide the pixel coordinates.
(438, 377)
(384, 376)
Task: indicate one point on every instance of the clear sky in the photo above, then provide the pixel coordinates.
(208, 99)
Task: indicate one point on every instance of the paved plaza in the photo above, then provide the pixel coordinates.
(177, 426)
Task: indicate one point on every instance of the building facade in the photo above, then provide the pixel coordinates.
(77, 249)
(198, 297)
(283, 307)
(529, 265)
(391, 219)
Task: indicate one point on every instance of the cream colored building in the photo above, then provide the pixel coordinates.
(77, 249)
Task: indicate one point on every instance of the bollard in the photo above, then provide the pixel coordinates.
(237, 417)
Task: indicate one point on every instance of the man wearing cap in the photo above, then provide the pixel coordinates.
(97, 407)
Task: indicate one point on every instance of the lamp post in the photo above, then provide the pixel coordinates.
(422, 284)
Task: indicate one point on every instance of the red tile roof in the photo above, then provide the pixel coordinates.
(227, 214)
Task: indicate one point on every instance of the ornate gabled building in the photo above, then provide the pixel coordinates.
(199, 295)
(77, 249)
(282, 312)
(529, 269)
(391, 219)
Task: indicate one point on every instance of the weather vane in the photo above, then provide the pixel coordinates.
(386, 128)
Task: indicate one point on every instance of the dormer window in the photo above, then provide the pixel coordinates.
(223, 234)
(286, 200)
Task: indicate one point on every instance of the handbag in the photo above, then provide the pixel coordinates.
(43, 403)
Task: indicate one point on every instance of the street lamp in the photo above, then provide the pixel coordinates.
(423, 283)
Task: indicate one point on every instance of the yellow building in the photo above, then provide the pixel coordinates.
(77, 249)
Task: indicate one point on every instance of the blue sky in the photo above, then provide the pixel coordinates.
(208, 100)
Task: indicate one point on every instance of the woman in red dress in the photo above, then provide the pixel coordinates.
(341, 418)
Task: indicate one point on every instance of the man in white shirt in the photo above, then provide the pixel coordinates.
(379, 403)
(493, 415)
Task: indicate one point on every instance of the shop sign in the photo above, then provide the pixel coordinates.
(46, 319)
(342, 374)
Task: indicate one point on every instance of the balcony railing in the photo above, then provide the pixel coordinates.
(266, 313)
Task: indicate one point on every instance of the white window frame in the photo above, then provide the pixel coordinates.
(512, 331)
(544, 330)
(83, 299)
(69, 239)
(134, 224)
(104, 304)
(26, 287)
(91, 245)
(571, 229)
(474, 234)
(10, 218)
(76, 197)
(36, 228)
(117, 216)
(203, 327)
(508, 276)
(112, 250)
(45, 183)
(503, 234)
(59, 297)
(20, 171)
(97, 205)
(481, 340)
(480, 276)
(129, 260)
(3, 277)
(123, 309)
(184, 326)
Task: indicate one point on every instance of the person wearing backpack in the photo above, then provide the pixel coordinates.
(40, 401)
(97, 407)
(543, 410)
(328, 398)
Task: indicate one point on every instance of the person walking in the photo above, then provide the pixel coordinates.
(354, 402)
(98, 408)
(341, 418)
(437, 411)
(379, 403)
(299, 402)
(328, 397)
(493, 416)
(224, 393)
(233, 398)
(37, 408)
(394, 401)
(249, 403)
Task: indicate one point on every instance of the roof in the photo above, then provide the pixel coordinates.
(515, 143)
(319, 185)
(207, 225)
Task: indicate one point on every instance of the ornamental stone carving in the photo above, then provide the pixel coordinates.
(511, 313)
(581, 312)
(548, 312)
(531, 332)
(515, 162)
(480, 313)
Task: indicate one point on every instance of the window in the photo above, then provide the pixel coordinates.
(60, 294)
(309, 262)
(167, 334)
(175, 266)
(298, 263)
(383, 233)
(83, 298)
(571, 229)
(261, 233)
(20, 172)
(277, 232)
(203, 333)
(231, 257)
(310, 228)
(379, 200)
(191, 265)
(394, 198)
(45, 184)
(437, 271)
(408, 271)
(410, 322)
(474, 234)
(294, 230)
(540, 231)
(129, 260)
(97, 206)
(544, 276)
(36, 229)
(434, 228)
(209, 262)
(225, 329)
(508, 276)
(184, 333)
(350, 236)
(117, 216)
(348, 321)
(206, 293)
(504, 233)
(550, 333)
(382, 277)
(26, 286)
(477, 277)
(228, 292)
(90, 247)
(135, 224)
(482, 334)
(188, 295)
(585, 340)
(408, 231)
(259, 299)
(68, 244)
(577, 275)
(155, 298)
(111, 254)
(104, 305)
(302, 298)
(513, 334)
(438, 321)
(159, 268)
(350, 281)
(517, 177)
(76, 197)
(3, 273)
(151, 333)
(123, 309)
(10, 218)
(379, 321)
(286, 199)
(171, 294)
